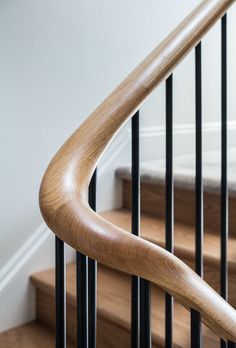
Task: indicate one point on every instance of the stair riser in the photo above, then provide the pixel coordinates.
(110, 335)
(114, 306)
(153, 202)
(45, 313)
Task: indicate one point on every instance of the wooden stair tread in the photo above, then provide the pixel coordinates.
(153, 229)
(31, 335)
(114, 304)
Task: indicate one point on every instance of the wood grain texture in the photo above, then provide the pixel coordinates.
(153, 229)
(153, 202)
(32, 335)
(114, 310)
(64, 187)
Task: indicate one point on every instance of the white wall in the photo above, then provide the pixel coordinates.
(58, 60)
(153, 111)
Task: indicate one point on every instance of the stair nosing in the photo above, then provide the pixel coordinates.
(183, 181)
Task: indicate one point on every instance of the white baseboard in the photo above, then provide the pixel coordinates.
(17, 295)
(152, 139)
(11, 269)
(181, 129)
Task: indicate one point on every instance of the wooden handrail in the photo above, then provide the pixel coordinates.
(63, 193)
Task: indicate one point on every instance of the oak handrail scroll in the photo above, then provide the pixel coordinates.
(63, 193)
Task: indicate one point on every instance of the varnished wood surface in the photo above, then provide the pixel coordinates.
(114, 310)
(153, 202)
(63, 193)
(153, 229)
(32, 335)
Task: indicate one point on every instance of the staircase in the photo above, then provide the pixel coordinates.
(147, 261)
(114, 297)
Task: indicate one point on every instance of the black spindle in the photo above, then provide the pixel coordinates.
(145, 314)
(196, 331)
(231, 345)
(92, 276)
(141, 290)
(224, 189)
(82, 299)
(169, 216)
(135, 291)
(60, 295)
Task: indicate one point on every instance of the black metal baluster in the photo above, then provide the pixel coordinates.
(135, 291)
(86, 281)
(142, 287)
(169, 216)
(196, 331)
(82, 300)
(145, 314)
(92, 276)
(224, 188)
(60, 294)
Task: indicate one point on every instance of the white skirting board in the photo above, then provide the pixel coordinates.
(17, 295)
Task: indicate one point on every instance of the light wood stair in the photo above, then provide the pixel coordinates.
(114, 286)
(153, 198)
(153, 214)
(113, 310)
(31, 335)
(153, 229)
